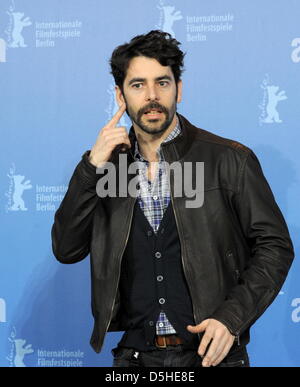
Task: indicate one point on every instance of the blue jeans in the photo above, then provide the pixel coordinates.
(174, 356)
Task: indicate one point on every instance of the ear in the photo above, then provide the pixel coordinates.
(179, 91)
(119, 96)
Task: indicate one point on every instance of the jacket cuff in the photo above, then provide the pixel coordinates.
(86, 171)
(230, 320)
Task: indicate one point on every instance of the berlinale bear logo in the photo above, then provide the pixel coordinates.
(19, 187)
(13, 32)
(273, 98)
(168, 16)
(18, 24)
(18, 350)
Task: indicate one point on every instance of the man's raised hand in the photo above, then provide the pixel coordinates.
(109, 137)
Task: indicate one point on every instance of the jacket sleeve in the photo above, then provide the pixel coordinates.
(72, 228)
(271, 248)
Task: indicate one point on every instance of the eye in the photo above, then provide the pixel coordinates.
(163, 83)
(136, 85)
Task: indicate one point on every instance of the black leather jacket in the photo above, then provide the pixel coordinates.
(236, 248)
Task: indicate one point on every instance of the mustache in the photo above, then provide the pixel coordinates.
(152, 105)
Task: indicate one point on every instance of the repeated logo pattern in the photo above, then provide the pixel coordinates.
(202, 30)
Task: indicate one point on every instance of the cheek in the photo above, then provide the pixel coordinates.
(132, 109)
(132, 103)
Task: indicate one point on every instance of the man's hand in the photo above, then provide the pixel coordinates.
(109, 137)
(219, 337)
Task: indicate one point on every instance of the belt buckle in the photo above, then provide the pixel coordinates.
(165, 343)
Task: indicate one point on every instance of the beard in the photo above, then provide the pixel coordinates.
(152, 126)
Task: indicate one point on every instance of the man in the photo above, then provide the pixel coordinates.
(185, 283)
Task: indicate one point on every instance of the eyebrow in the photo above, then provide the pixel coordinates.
(133, 80)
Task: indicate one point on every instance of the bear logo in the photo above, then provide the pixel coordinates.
(18, 24)
(273, 98)
(170, 16)
(21, 351)
(19, 187)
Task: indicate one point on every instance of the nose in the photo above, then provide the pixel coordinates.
(151, 93)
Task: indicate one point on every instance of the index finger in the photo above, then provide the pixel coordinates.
(214, 350)
(115, 119)
(204, 344)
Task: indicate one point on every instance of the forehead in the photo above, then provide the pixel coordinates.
(148, 68)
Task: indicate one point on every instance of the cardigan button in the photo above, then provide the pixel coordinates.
(149, 233)
(158, 254)
(161, 301)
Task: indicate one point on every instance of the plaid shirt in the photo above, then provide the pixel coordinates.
(154, 198)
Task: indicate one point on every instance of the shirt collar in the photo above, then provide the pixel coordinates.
(175, 132)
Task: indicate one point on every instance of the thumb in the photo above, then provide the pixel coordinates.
(198, 328)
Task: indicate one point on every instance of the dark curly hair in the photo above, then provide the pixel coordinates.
(155, 44)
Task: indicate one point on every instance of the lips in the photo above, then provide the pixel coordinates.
(153, 114)
(153, 111)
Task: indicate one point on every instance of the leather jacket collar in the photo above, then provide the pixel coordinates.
(174, 149)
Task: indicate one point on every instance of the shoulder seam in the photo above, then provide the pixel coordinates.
(226, 142)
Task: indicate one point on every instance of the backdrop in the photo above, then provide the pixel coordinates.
(241, 81)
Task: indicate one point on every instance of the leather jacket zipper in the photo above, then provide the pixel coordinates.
(237, 334)
(119, 267)
(182, 244)
(119, 272)
(182, 260)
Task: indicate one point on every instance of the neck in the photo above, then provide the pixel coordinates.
(149, 143)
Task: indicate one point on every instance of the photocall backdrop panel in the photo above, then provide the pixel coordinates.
(241, 81)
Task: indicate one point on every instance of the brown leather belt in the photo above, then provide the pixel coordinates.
(164, 341)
